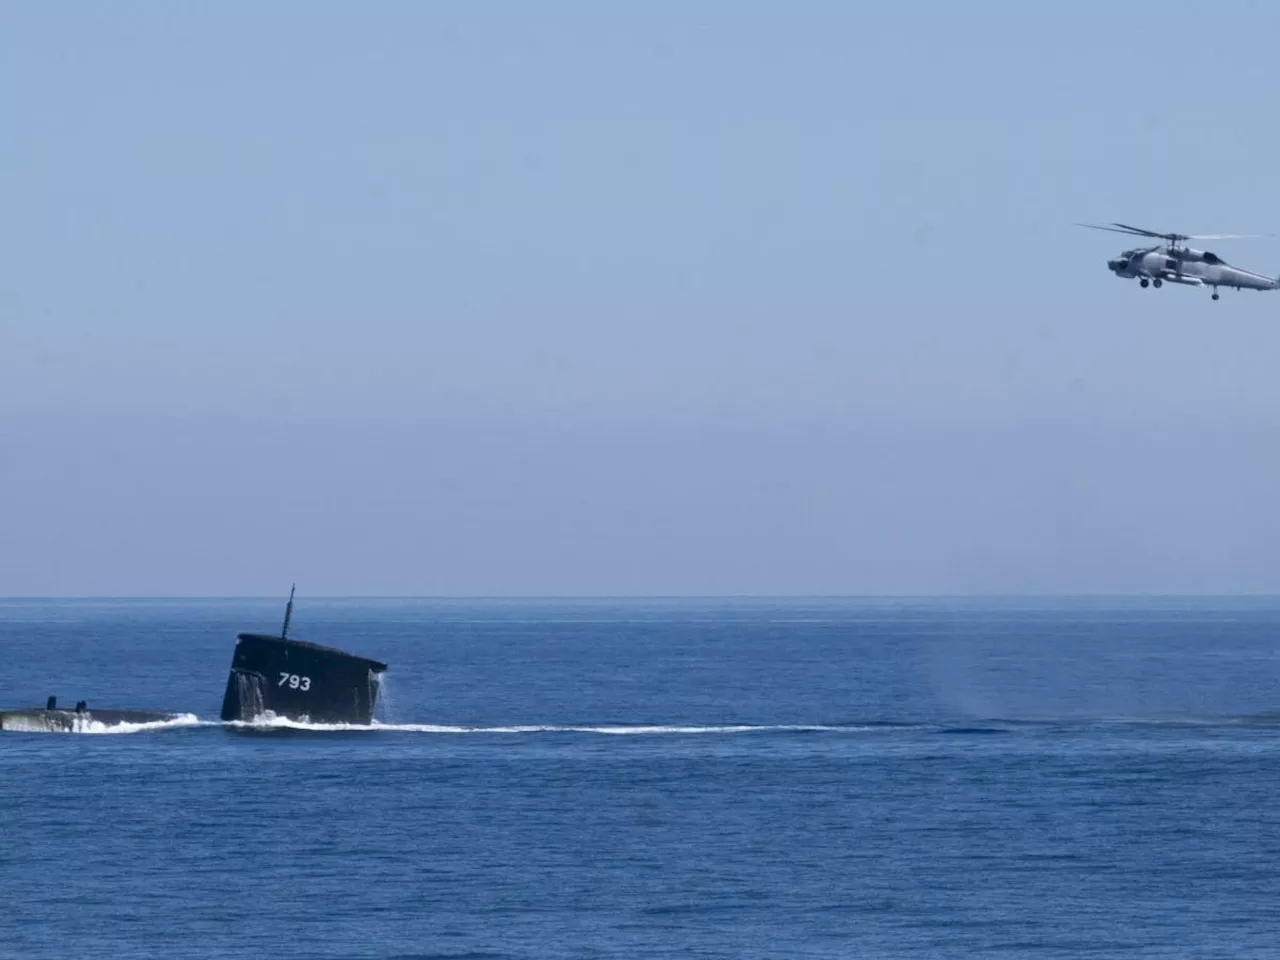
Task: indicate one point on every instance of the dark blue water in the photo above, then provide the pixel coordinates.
(743, 779)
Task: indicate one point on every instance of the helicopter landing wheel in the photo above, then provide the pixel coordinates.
(1215, 296)
(1143, 282)
(1157, 282)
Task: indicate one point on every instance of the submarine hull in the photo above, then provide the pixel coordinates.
(299, 681)
(69, 721)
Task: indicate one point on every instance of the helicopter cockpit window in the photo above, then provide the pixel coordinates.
(1211, 257)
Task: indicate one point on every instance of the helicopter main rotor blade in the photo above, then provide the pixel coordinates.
(1150, 233)
(1225, 236)
(1172, 237)
(1121, 228)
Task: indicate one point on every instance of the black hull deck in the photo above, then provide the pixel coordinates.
(70, 721)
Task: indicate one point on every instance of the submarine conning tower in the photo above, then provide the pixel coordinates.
(299, 680)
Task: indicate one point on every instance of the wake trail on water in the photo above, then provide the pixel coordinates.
(268, 724)
(975, 727)
(985, 726)
(282, 723)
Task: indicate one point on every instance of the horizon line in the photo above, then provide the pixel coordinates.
(992, 595)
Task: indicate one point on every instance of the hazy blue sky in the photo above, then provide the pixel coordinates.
(604, 298)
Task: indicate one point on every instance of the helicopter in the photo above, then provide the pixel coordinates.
(1177, 263)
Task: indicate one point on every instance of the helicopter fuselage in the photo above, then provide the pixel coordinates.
(1199, 268)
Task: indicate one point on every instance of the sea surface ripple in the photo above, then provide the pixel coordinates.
(656, 778)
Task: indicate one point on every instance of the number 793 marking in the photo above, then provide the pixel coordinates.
(294, 681)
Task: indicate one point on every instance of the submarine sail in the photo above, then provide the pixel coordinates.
(299, 680)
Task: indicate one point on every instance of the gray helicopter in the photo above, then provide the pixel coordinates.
(1181, 264)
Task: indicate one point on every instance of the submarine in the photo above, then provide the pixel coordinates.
(55, 719)
(280, 677)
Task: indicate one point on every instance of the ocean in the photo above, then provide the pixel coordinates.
(810, 778)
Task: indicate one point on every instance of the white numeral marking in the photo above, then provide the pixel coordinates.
(294, 681)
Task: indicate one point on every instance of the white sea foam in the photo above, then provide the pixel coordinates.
(283, 723)
(20, 724)
(269, 722)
